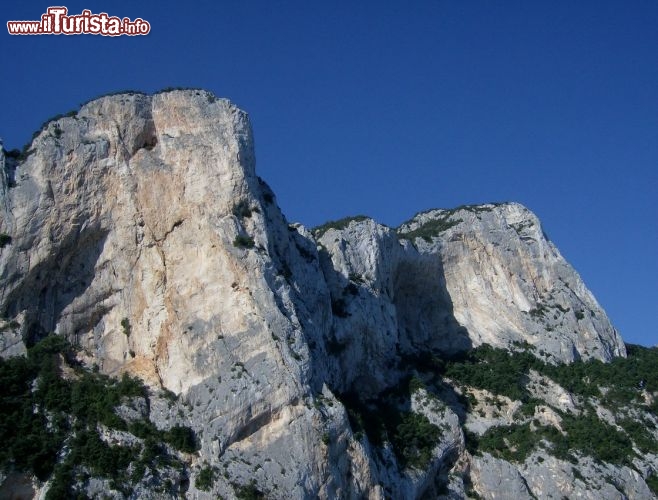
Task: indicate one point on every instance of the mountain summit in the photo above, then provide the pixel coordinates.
(335, 362)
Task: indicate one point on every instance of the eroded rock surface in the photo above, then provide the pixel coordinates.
(140, 232)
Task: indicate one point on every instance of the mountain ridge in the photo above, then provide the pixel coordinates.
(139, 232)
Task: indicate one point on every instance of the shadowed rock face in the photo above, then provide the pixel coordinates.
(141, 233)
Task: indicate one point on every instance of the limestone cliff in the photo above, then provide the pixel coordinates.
(137, 229)
(508, 283)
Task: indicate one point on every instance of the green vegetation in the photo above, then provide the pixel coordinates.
(182, 438)
(385, 419)
(5, 240)
(356, 278)
(242, 210)
(442, 221)
(414, 439)
(206, 478)
(248, 491)
(539, 312)
(585, 434)
(512, 443)
(49, 422)
(618, 386)
(169, 395)
(103, 460)
(476, 209)
(431, 228)
(337, 224)
(639, 432)
(624, 378)
(125, 324)
(242, 241)
(495, 370)
(519, 227)
(622, 381)
(171, 89)
(652, 483)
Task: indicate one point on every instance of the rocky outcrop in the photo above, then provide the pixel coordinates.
(139, 230)
(509, 284)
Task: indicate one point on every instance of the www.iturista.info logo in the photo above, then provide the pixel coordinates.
(56, 21)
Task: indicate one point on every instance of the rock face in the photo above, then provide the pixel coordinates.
(509, 283)
(140, 232)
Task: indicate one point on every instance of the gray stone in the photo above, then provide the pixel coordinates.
(141, 233)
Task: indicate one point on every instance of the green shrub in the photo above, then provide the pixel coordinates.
(242, 210)
(640, 434)
(412, 435)
(414, 439)
(248, 492)
(139, 469)
(205, 479)
(41, 411)
(339, 225)
(585, 434)
(356, 278)
(504, 373)
(169, 395)
(242, 241)
(104, 460)
(539, 312)
(430, 229)
(125, 324)
(415, 384)
(652, 483)
(512, 443)
(60, 484)
(182, 438)
(5, 240)
(495, 370)
(172, 89)
(143, 429)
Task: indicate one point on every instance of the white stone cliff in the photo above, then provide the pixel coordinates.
(140, 232)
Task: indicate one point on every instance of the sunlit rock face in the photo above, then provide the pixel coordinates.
(508, 283)
(140, 232)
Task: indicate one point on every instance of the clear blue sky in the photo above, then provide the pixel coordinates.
(381, 108)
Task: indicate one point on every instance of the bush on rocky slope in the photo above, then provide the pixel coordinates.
(626, 387)
(53, 415)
